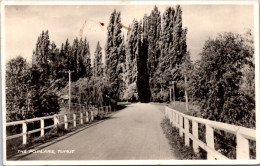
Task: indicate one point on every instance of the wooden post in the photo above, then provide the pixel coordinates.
(195, 133)
(242, 148)
(173, 93)
(87, 116)
(174, 119)
(74, 120)
(42, 127)
(170, 116)
(210, 141)
(65, 121)
(177, 120)
(92, 115)
(187, 127)
(170, 95)
(180, 125)
(56, 121)
(81, 118)
(24, 133)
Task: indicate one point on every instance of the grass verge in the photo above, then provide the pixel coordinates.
(177, 143)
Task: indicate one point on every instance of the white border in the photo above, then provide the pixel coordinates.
(131, 162)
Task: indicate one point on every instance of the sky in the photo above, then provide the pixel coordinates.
(23, 24)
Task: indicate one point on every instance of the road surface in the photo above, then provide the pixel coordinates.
(133, 133)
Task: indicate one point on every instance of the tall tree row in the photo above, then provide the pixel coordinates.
(142, 83)
(131, 62)
(173, 49)
(98, 65)
(113, 53)
(121, 68)
(155, 51)
(154, 32)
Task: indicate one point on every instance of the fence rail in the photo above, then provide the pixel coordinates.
(88, 115)
(181, 121)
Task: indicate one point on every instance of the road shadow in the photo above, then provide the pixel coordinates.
(40, 146)
(120, 107)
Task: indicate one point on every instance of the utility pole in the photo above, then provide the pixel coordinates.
(70, 88)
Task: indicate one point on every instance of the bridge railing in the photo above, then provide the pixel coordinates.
(181, 121)
(86, 116)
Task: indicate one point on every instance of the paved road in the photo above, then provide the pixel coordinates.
(134, 133)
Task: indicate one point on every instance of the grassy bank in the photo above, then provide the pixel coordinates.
(177, 143)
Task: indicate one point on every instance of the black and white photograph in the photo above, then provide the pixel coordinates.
(130, 82)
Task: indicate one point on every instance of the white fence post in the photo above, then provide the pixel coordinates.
(186, 127)
(81, 118)
(65, 121)
(56, 121)
(24, 133)
(173, 119)
(74, 120)
(180, 125)
(176, 120)
(195, 133)
(210, 141)
(87, 116)
(242, 148)
(42, 127)
(92, 115)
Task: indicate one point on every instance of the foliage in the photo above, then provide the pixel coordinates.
(154, 31)
(130, 93)
(131, 62)
(17, 89)
(173, 49)
(215, 81)
(121, 70)
(113, 53)
(98, 65)
(142, 83)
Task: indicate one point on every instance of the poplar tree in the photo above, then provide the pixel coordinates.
(154, 31)
(121, 69)
(112, 53)
(43, 85)
(173, 50)
(131, 63)
(142, 83)
(98, 65)
(87, 60)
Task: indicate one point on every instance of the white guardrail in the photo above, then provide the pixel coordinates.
(243, 135)
(88, 114)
